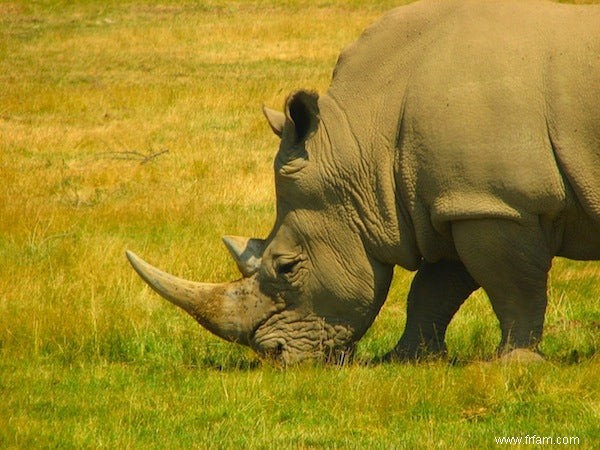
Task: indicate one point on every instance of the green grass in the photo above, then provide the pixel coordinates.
(90, 357)
(160, 405)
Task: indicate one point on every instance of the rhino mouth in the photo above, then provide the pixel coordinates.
(289, 338)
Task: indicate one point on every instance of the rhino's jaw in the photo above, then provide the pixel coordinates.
(290, 337)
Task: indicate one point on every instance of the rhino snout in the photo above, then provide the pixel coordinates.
(291, 336)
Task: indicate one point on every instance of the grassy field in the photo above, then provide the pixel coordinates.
(137, 125)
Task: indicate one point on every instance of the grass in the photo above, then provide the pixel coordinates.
(433, 406)
(137, 125)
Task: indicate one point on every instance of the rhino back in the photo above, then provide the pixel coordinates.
(474, 96)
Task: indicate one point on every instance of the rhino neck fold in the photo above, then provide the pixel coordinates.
(367, 164)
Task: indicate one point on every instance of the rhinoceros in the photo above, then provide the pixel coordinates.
(459, 139)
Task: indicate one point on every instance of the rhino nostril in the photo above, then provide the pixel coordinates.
(276, 351)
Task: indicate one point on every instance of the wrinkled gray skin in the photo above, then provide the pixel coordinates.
(460, 139)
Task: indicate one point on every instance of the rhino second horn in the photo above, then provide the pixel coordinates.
(217, 307)
(247, 253)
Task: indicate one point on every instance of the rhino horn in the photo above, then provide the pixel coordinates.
(247, 253)
(229, 310)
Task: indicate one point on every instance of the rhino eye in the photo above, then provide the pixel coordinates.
(286, 268)
(290, 268)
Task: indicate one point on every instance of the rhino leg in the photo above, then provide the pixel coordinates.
(510, 261)
(436, 293)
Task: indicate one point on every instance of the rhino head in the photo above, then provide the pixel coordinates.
(309, 290)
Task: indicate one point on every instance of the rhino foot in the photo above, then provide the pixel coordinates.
(418, 354)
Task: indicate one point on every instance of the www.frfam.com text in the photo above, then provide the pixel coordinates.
(538, 440)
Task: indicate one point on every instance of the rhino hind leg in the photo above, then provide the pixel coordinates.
(510, 261)
(436, 293)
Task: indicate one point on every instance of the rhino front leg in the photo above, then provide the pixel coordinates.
(436, 293)
(510, 261)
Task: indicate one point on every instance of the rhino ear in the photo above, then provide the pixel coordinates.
(302, 115)
(247, 253)
(276, 120)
